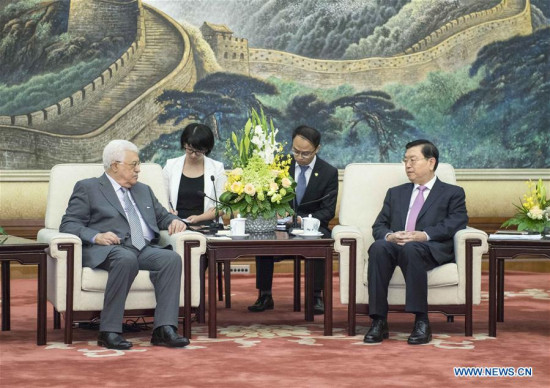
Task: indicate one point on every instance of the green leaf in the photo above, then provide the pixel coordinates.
(235, 140)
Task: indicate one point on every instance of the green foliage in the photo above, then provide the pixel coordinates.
(533, 213)
(44, 90)
(415, 21)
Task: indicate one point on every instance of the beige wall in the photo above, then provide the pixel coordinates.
(489, 193)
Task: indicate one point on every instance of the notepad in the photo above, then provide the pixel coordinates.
(515, 236)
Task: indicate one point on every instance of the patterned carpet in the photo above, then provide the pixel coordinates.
(278, 348)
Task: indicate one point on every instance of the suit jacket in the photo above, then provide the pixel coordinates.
(95, 208)
(443, 214)
(172, 177)
(323, 180)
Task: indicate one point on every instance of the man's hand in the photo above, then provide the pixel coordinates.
(107, 238)
(176, 226)
(403, 237)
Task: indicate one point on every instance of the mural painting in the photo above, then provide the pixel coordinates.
(470, 75)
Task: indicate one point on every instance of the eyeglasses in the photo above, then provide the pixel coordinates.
(133, 164)
(304, 155)
(191, 151)
(412, 160)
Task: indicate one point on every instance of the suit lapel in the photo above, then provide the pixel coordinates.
(108, 191)
(404, 202)
(312, 188)
(432, 198)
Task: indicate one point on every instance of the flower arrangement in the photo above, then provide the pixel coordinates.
(534, 212)
(259, 185)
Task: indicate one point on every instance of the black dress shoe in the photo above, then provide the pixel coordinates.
(168, 336)
(264, 302)
(378, 331)
(421, 334)
(111, 340)
(318, 306)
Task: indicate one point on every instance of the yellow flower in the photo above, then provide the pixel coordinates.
(273, 187)
(249, 189)
(237, 187)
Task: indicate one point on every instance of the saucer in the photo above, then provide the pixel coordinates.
(300, 232)
(238, 236)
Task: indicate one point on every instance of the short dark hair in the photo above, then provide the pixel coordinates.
(429, 150)
(308, 133)
(198, 136)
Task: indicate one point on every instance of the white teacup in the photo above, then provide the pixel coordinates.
(310, 225)
(238, 226)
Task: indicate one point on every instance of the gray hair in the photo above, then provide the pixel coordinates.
(114, 151)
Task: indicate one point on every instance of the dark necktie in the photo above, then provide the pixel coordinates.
(302, 184)
(136, 233)
(415, 209)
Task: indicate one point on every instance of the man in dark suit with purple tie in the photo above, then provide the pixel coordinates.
(414, 230)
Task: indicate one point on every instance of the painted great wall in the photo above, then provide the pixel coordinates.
(121, 103)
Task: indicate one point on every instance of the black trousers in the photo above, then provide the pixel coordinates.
(264, 273)
(414, 259)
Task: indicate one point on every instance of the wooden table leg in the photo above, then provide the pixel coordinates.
(500, 290)
(6, 295)
(212, 294)
(327, 292)
(352, 243)
(227, 279)
(297, 286)
(309, 290)
(41, 308)
(220, 282)
(492, 293)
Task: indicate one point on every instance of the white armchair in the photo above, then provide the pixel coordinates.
(452, 287)
(77, 291)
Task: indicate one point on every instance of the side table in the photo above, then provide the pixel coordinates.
(499, 251)
(24, 251)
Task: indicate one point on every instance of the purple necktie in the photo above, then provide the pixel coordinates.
(415, 209)
(302, 184)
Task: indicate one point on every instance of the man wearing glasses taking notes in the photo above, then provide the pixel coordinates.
(414, 230)
(118, 220)
(316, 194)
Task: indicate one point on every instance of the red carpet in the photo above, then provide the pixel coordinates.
(279, 349)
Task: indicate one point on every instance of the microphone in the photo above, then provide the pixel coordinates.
(218, 225)
(217, 212)
(329, 194)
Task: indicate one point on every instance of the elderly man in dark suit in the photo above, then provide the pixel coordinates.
(316, 193)
(119, 221)
(414, 231)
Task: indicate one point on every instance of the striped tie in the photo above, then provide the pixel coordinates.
(136, 233)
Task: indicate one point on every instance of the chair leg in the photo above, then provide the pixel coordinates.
(68, 327)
